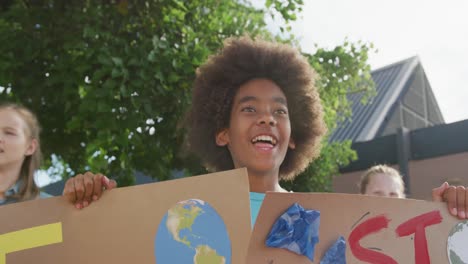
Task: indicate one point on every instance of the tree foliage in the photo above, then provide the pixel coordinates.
(110, 80)
(342, 70)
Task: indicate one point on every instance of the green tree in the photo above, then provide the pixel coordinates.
(110, 80)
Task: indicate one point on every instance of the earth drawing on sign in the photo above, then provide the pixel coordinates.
(456, 244)
(192, 232)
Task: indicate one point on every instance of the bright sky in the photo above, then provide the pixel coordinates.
(436, 31)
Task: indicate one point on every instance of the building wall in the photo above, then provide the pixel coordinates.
(394, 122)
(417, 108)
(429, 173)
(424, 175)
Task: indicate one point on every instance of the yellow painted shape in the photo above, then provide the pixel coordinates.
(29, 238)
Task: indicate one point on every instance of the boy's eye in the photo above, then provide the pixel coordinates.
(248, 109)
(281, 111)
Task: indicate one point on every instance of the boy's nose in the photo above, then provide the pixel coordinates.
(267, 119)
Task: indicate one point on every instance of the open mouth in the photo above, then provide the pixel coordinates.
(265, 139)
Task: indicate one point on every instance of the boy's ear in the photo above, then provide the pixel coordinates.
(31, 148)
(292, 144)
(222, 138)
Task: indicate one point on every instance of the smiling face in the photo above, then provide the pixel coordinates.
(259, 132)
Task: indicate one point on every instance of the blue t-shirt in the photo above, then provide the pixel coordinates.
(256, 200)
(14, 190)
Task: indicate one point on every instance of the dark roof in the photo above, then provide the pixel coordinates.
(425, 143)
(367, 119)
(56, 188)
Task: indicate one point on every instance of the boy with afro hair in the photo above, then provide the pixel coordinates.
(255, 105)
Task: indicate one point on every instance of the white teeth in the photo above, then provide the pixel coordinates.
(264, 138)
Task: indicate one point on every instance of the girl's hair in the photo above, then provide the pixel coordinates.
(217, 82)
(384, 169)
(27, 188)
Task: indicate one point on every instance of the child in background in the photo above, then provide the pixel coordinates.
(382, 180)
(20, 154)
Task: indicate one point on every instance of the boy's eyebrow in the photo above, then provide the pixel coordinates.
(280, 100)
(248, 98)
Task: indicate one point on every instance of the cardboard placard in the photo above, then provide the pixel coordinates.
(205, 219)
(134, 224)
(410, 226)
